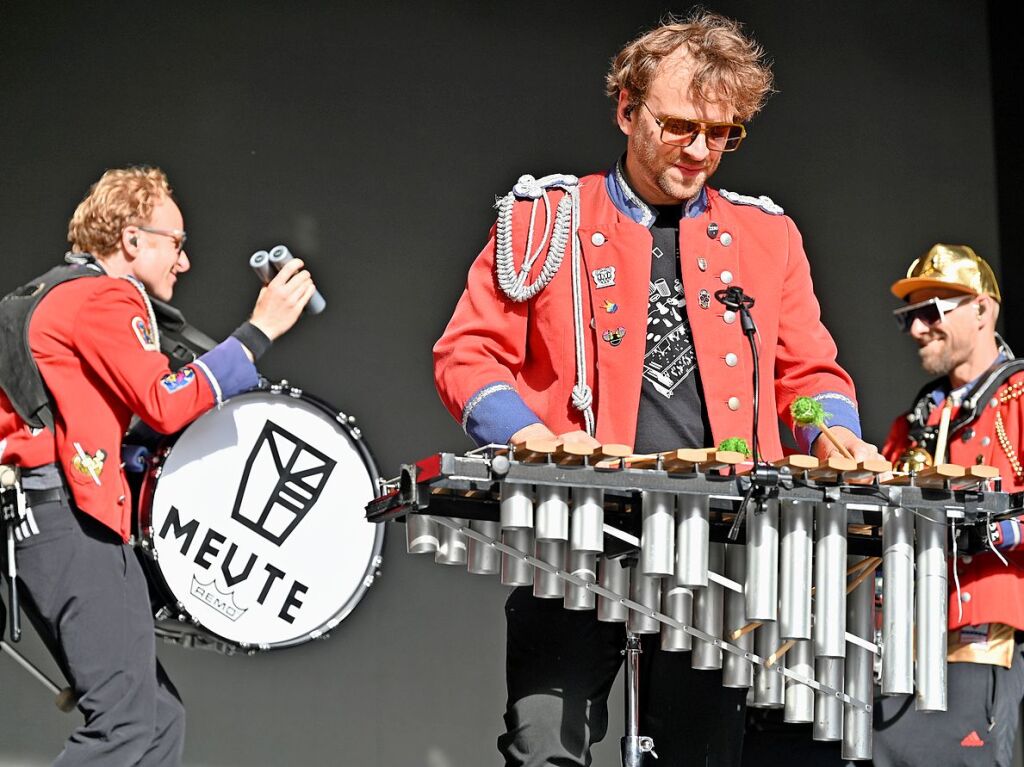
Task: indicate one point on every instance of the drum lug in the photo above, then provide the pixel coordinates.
(162, 614)
(345, 418)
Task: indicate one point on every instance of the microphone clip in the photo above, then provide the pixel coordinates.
(734, 299)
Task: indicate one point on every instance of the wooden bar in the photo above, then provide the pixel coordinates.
(832, 469)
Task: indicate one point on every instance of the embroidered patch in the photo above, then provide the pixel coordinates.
(614, 337)
(604, 277)
(144, 334)
(175, 381)
(89, 465)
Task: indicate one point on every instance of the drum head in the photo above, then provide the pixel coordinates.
(256, 522)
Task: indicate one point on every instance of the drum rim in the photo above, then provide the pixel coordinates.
(143, 519)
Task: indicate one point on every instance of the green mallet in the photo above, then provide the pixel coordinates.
(807, 411)
(735, 445)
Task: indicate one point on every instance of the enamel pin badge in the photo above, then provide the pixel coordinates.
(604, 277)
(614, 337)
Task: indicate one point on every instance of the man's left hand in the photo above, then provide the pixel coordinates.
(859, 449)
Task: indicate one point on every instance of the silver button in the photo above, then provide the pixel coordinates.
(994, 402)
(731, 359)
(598, 239)
(729, 316)
(986, 441)
(726, 277)
(734, 403)
(966, 559)
(725, 239)
(965, 597)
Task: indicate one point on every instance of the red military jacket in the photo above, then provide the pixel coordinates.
(493, 343)
(96, 347)
(990, 592)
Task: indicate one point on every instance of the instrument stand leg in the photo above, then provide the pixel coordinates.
(634, 745)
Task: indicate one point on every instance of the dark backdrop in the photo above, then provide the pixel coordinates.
(373, 140)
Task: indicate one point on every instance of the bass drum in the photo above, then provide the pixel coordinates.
(252, 524)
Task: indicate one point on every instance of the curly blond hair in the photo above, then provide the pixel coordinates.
(729, 66)
(122, 197)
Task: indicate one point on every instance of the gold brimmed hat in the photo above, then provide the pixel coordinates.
(949, 266)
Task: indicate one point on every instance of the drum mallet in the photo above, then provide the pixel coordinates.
(266, 265)
(65, 699)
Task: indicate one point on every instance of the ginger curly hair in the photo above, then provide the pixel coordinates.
(122, 197)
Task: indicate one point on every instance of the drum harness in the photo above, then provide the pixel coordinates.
(28, 395)
(971, 406)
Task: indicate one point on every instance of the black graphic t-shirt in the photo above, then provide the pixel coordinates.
(672, 412)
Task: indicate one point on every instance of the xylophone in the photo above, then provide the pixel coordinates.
(786, 609)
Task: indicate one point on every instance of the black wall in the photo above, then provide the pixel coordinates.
(372, 140)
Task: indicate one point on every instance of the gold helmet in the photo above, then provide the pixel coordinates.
(949, 266)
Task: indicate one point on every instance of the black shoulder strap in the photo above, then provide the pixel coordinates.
(974, 402)
(19, 376)
(971, 406)
(181, 342)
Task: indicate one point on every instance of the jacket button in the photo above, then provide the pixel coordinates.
(965, 597)
(598, 239)
(968, 435)
(966, 559)
(729, 316)
(725, 239)
(994, 402)
(986, 441)
(121, 500)
(734, 403)
(731, 359)
(726, 277)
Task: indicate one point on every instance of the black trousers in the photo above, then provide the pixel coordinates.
(560, 666)
(977, 730)
(85, 593)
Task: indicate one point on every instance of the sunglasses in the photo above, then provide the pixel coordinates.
(930, 312)
(682, 132)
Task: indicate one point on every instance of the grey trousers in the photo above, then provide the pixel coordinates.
(85, 592)
(560, 666)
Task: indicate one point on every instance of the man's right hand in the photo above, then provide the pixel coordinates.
(540, 431)
(282, 300)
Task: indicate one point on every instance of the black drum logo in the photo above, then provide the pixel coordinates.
(301, 471)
